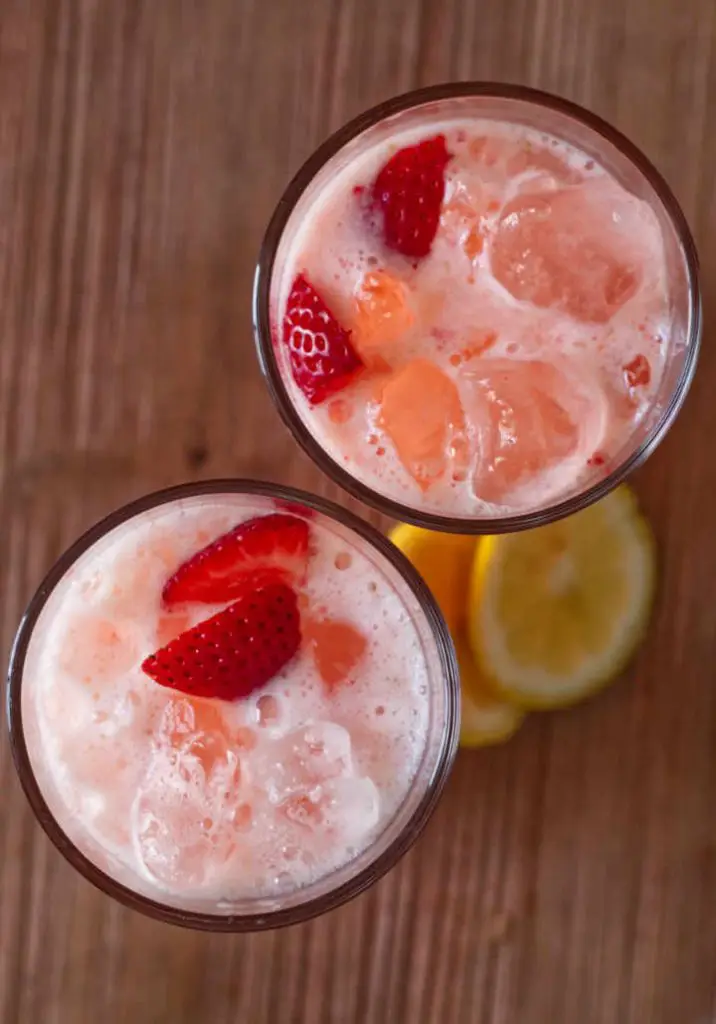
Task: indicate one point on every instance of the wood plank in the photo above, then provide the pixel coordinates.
(568, 877)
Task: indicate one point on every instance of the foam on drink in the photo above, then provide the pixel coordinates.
(541, 314)
(178, 796)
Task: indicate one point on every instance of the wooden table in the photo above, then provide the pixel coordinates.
(567, 878)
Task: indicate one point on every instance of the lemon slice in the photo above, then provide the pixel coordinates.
(556, 612)
(485, 719)
(444, 561)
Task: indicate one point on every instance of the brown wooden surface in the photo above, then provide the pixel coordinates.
(567, 877)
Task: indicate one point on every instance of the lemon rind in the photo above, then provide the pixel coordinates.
(499, 722)
(537, 689)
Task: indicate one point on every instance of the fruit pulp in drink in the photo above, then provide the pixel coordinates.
(472, 317)
(178, 794)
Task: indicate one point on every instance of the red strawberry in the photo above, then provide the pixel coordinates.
(409, 192)
(272, 547)
(323, 360)
(236, 652)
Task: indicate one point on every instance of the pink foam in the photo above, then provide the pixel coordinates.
(199, 797)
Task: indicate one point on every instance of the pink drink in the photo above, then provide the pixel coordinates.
(232, 807)
(525, 355)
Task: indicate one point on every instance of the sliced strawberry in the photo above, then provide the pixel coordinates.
(323, 360)
(272, 547)
(408, 192)
(236, 652)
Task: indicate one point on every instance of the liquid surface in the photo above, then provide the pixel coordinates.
(508, 367)
(225, 801)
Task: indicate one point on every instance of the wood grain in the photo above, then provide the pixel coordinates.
(568, 878)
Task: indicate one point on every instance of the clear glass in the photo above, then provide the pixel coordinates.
(542, 112)
(389, 845)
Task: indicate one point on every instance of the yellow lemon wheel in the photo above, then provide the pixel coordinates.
(555, 613)
(485, 719)
(444, 561)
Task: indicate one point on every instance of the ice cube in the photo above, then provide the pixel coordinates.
(304, 809)
(295, 763)
(197, 727)
(382, 314)
(346, 808)
(580, 250)
(497, 160)
(183, 818)
(421, 413)
(529, 417)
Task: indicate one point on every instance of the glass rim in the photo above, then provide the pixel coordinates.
(262, 319)
(353, 886)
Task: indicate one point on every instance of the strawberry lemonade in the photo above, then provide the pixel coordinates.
(477, 307)
(231, 705)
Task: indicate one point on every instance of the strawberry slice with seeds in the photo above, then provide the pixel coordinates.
(272, 547)
(323, 360)
(234, 653)
(409, 192)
